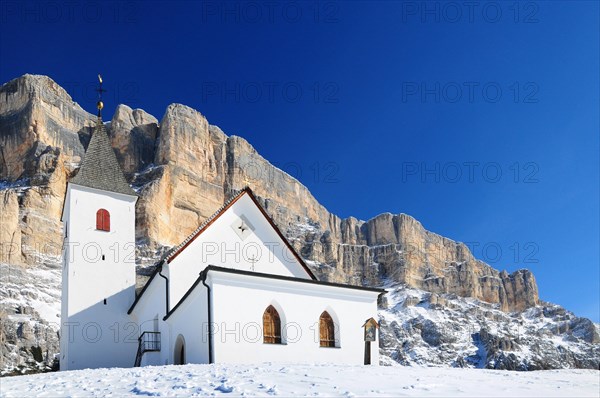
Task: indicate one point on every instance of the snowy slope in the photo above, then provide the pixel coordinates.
(303, 380)
(423, 328)
(29, 317)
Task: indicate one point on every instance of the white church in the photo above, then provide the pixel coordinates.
(234, 291)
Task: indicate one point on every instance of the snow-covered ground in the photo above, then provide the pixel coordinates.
(303, 380)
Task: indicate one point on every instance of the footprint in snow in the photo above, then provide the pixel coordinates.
(224, 389)
(138, 391)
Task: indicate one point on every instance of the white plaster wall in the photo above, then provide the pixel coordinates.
(238, 305)
(95, 334)
(64, 314)
(239, 302)
(220, 245)
(191, 321)
(152, 305)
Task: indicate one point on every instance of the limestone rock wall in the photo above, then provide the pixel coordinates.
(184, 169)
(10, 233)
(133, 135)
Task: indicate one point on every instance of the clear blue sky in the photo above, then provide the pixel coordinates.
(481, 121)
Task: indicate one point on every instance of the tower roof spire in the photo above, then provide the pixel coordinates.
(100, 90)
(100, 168)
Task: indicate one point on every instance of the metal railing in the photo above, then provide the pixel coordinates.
(149, 341)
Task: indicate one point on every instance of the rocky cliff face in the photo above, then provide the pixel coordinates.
(42, 137)
(419, 327)
(184, 169)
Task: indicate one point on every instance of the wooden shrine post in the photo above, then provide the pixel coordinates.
(370, 327)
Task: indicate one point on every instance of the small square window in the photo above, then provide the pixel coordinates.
(242, 227)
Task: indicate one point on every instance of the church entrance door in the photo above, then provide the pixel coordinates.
(179, 354)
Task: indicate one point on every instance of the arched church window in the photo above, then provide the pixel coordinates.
(103, 220)
(271, 326)
(326, 330)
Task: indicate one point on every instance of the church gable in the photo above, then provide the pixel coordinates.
(240, 236)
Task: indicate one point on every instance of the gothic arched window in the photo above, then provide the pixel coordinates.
(103, 220)
(271, 326)
(326, 330)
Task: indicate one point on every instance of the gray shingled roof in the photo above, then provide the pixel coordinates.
(100, 168)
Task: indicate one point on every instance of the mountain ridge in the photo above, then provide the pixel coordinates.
(183, 169)
(199, 166)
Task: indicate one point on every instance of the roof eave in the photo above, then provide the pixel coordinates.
(205, 272)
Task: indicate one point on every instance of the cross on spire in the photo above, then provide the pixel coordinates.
(100, 168)
(100, 90)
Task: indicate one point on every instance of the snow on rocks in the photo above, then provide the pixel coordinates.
(423, 328)
(29, 318)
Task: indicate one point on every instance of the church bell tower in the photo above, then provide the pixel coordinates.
(98, 275)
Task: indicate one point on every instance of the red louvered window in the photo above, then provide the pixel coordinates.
(103, 220)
